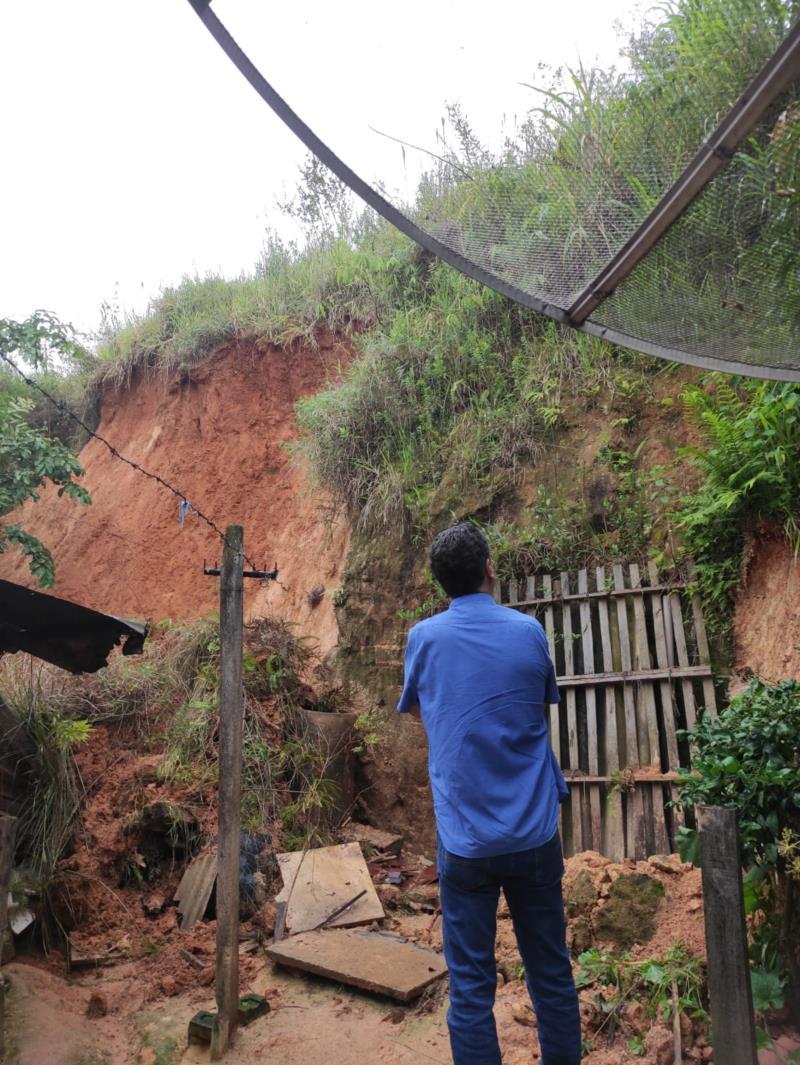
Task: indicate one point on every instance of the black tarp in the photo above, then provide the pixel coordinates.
(67, 634)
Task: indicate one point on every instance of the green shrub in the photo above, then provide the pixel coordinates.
(749, 758)
(750, 464)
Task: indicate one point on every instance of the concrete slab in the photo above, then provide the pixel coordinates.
(383, 964)
(318, 881)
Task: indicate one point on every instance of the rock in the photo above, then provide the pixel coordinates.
(389, 894)
(579, 936)
(634, 1018)
(206, 976)
(628, 915)
(694, 906)
(523, 1014)
(580, 895)
(658, 1046)
(97, 1006)
(665, 863)
(154, 905)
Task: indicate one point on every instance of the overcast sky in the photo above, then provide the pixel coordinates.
(135, 153)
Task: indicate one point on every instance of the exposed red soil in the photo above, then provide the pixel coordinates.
(220, 431)
(767, 616)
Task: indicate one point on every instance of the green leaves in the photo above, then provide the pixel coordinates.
(29, 458)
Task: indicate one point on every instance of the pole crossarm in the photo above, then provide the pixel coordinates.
(775, 77)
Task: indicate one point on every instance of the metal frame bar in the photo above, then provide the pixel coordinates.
(774, 78)
(426, 240)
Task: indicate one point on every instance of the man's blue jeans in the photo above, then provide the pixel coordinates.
(470, 891)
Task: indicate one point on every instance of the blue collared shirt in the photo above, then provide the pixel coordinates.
(482, 676)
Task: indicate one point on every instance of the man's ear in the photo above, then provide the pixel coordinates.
(490, 573)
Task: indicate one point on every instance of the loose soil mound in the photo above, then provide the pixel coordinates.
(220, 432)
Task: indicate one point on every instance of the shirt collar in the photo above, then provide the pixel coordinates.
(469, 602)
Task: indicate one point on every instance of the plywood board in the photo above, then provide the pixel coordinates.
(384, 964)
(316, 882)
(195, 889)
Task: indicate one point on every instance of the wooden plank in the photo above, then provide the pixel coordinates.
(644, 776)
(666, 689)
(576, 795)
(647, 700)
(513, 596)
(610, 593)
(498, 597)
(317, 881)
(555, 708)
(194, 890)
(683, 658)
(614, 827)
(635, 834)
(371, 839)
(587, 644)
(373, 962)
(709, 695)
(631, 676)
(729, 986)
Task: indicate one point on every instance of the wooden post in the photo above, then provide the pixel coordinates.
(729, 989)
(8, 829)
(230, 790)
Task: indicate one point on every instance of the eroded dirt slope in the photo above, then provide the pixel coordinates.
(767, 619)
(219, 431)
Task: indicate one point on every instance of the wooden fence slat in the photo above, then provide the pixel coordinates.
(498, 590)
(635, 835)
(587, 641)
(647, 698)
(513, 596)
(668, 708)
(555, 716)
(576, 793)
(615, 834)
(709, 695)
(683, 658)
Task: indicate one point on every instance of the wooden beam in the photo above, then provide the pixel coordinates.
(774, 78)
(230, 791)
(610, 593)
(631, 676)
(726, 937)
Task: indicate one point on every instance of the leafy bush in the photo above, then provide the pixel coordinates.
(750, 463)
(749, 758)
(29, 458)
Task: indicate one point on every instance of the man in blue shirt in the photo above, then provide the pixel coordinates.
(479, 676)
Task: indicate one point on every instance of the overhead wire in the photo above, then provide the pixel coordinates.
(61, 406)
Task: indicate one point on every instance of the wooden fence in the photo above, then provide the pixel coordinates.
(632, 662)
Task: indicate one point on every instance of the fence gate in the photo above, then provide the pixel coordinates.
(632, 662)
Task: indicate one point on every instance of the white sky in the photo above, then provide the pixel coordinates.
(135, 153)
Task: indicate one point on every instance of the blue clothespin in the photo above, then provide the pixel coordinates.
(184, 507)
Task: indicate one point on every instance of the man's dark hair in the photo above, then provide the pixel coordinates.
(458, 559)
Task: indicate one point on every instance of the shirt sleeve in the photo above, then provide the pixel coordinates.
(409, 697)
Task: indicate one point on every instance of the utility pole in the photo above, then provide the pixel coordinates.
(231, 711)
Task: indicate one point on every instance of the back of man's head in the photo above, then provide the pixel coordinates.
(458, 559)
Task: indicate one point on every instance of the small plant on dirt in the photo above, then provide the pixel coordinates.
(749, 757)
(674, 983)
